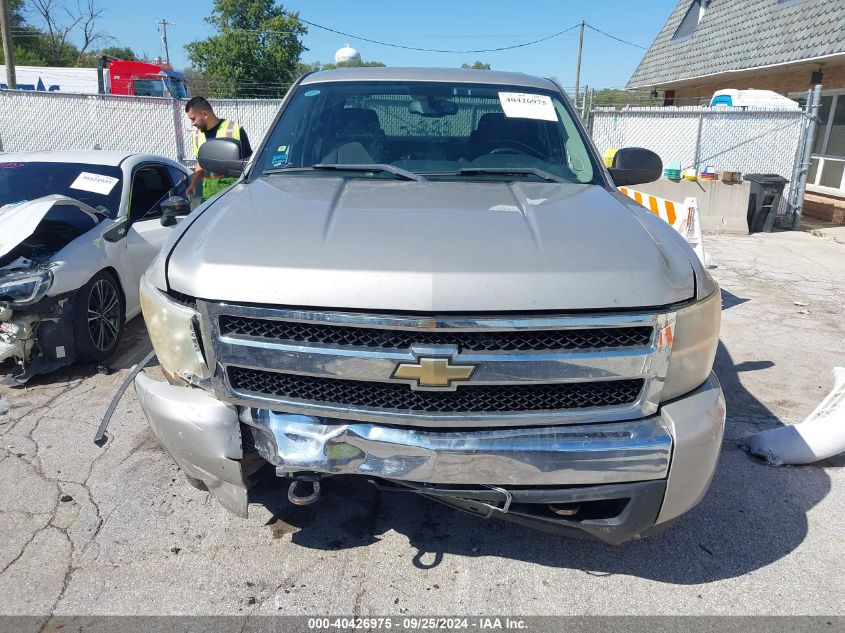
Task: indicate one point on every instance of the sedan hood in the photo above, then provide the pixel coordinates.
(41, 227)
(384, 245)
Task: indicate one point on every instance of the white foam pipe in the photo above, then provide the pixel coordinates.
(819, 436)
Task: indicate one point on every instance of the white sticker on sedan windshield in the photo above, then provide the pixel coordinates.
(95, 183)
(521, 105)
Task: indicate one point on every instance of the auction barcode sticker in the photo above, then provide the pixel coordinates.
(521, 105)
(95, 183)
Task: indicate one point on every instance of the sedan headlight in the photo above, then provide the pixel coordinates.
(172, 328)
(25, 287)
(694, 341)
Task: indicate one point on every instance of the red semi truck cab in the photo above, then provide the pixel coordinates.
(142, 79)
(112, 76)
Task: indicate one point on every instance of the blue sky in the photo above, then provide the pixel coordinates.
(444, 24)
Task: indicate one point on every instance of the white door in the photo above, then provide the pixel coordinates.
(146, 235)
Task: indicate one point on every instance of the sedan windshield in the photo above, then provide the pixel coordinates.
(450, 131)
(98, 186)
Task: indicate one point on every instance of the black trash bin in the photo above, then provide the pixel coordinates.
(764, 200)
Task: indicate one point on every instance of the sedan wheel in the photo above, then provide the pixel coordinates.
(98, 325)
(104, 315)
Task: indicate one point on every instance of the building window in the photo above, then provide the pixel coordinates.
(827, 169)
(836, 129)
(691, 20)
(821, 128)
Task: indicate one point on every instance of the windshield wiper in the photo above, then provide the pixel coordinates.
(284, 170)
(389, 169)
(404, 174)
(383, 167)
(512, 171)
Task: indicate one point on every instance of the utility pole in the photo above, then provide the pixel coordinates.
(578, 66)
(5, 31)
(163, 24)
(801, 185)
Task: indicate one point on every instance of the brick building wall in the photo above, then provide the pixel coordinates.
(783, 82)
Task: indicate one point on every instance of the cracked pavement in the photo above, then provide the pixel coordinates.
(91, 531)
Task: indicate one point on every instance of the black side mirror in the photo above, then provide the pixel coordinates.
(172, 208)
(635, 165)
(118, 231)
(221, 156)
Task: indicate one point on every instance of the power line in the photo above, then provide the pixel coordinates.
(613, 37)
(437, 50)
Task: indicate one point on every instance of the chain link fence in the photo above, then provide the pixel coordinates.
(751, 141)
(33, 121)
(748, 141)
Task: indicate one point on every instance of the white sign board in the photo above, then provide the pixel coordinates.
(95, 183)
(521, 105)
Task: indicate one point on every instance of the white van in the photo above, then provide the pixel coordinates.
(744, 99)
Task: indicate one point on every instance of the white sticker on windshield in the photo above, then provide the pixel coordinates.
(521, 105)
(95, 183)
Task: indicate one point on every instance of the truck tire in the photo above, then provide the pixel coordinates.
(98, 319)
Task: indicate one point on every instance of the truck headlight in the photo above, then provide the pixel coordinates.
(172, 328)
(25, 287)
(694, 342)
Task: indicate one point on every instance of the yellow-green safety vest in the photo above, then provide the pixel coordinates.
(215, 183)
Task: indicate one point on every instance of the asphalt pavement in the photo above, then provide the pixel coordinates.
(116, 530)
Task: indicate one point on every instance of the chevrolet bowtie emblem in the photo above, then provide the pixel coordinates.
(433, 372)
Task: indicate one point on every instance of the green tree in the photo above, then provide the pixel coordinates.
(618, 97)
(121, 52)
(29, 44)
(92, 59)
(53, 45)
(198, 82)
(352, 64)
(16, 18)
(302, 68)
(255, 52)
(479, 65)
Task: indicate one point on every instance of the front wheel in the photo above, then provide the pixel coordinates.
(98, 322)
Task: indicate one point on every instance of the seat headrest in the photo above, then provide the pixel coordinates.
(356, 120)
(490, 121)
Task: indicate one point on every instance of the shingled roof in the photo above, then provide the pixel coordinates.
(736, 35)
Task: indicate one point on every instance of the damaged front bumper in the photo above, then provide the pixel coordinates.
(37, 337)
(203, 437)
(614, 480)
(16, 334)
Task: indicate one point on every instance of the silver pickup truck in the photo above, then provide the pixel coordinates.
(428, 278)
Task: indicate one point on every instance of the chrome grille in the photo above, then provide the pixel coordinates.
(467, 399)
(527, 369)
(538, 340)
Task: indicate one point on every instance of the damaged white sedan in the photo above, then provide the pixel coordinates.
(77, 230)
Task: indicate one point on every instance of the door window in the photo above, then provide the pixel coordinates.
(149, 185)
(177, 175)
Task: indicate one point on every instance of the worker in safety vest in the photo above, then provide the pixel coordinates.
(207, 125)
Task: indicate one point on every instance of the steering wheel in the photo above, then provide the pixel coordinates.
(508, 146)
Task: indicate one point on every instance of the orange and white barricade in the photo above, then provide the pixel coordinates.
(682, 216)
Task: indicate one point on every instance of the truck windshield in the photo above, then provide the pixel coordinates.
(98, 186)
(440, 130)
(177, 88)
(149, 87)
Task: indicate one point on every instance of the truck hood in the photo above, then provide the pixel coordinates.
(385, 245)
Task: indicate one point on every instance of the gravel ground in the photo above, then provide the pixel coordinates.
(92, 531)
